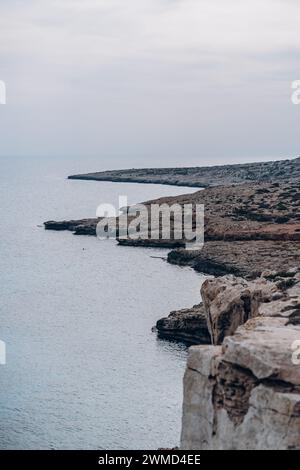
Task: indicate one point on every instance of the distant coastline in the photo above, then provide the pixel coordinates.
(257, 209)
(202, 177)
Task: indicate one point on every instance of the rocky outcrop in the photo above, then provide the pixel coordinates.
(188, 325)
(229, 302)
(247, 212)
(248, 259)
(78, 227)
(148, 243)
(245, 393)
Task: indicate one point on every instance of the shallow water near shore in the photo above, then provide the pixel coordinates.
(83, 368)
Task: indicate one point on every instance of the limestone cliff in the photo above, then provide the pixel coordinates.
(202, 176)
(243, 392)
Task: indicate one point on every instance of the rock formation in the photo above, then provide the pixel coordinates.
(202, 176)
(243, 392)
(78, 227)
(248, 259)
(244, 226)
(188, 325)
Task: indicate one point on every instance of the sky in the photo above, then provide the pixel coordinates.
(150, 82)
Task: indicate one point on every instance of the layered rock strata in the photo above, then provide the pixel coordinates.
(243, 392)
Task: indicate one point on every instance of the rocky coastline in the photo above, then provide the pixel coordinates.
(188, 325)
(202, 177)
(249, 227)
(241, 388)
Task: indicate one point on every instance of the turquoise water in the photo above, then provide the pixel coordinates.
(83, 368)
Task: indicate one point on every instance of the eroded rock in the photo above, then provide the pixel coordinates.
(245, 394)
(187, 325)
(229, 301)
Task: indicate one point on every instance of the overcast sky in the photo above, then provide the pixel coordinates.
(150, 81)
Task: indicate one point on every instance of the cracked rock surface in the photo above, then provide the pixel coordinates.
(244, 391)
(188, 325)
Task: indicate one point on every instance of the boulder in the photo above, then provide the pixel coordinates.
(188, 325)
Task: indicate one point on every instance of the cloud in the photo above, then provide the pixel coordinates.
(179, 31)
(158, 66)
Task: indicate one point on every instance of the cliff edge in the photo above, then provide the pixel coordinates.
(243, 391)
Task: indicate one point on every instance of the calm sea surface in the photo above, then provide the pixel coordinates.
(83, 368)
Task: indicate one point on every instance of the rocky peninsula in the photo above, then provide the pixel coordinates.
(241, 388)
(249, 227)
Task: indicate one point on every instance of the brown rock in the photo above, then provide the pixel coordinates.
(245, 394)
(188, 325)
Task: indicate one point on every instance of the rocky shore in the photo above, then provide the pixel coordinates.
(188, 325)
(249, 227)
(241, 386)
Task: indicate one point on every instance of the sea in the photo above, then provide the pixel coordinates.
(84, 370)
